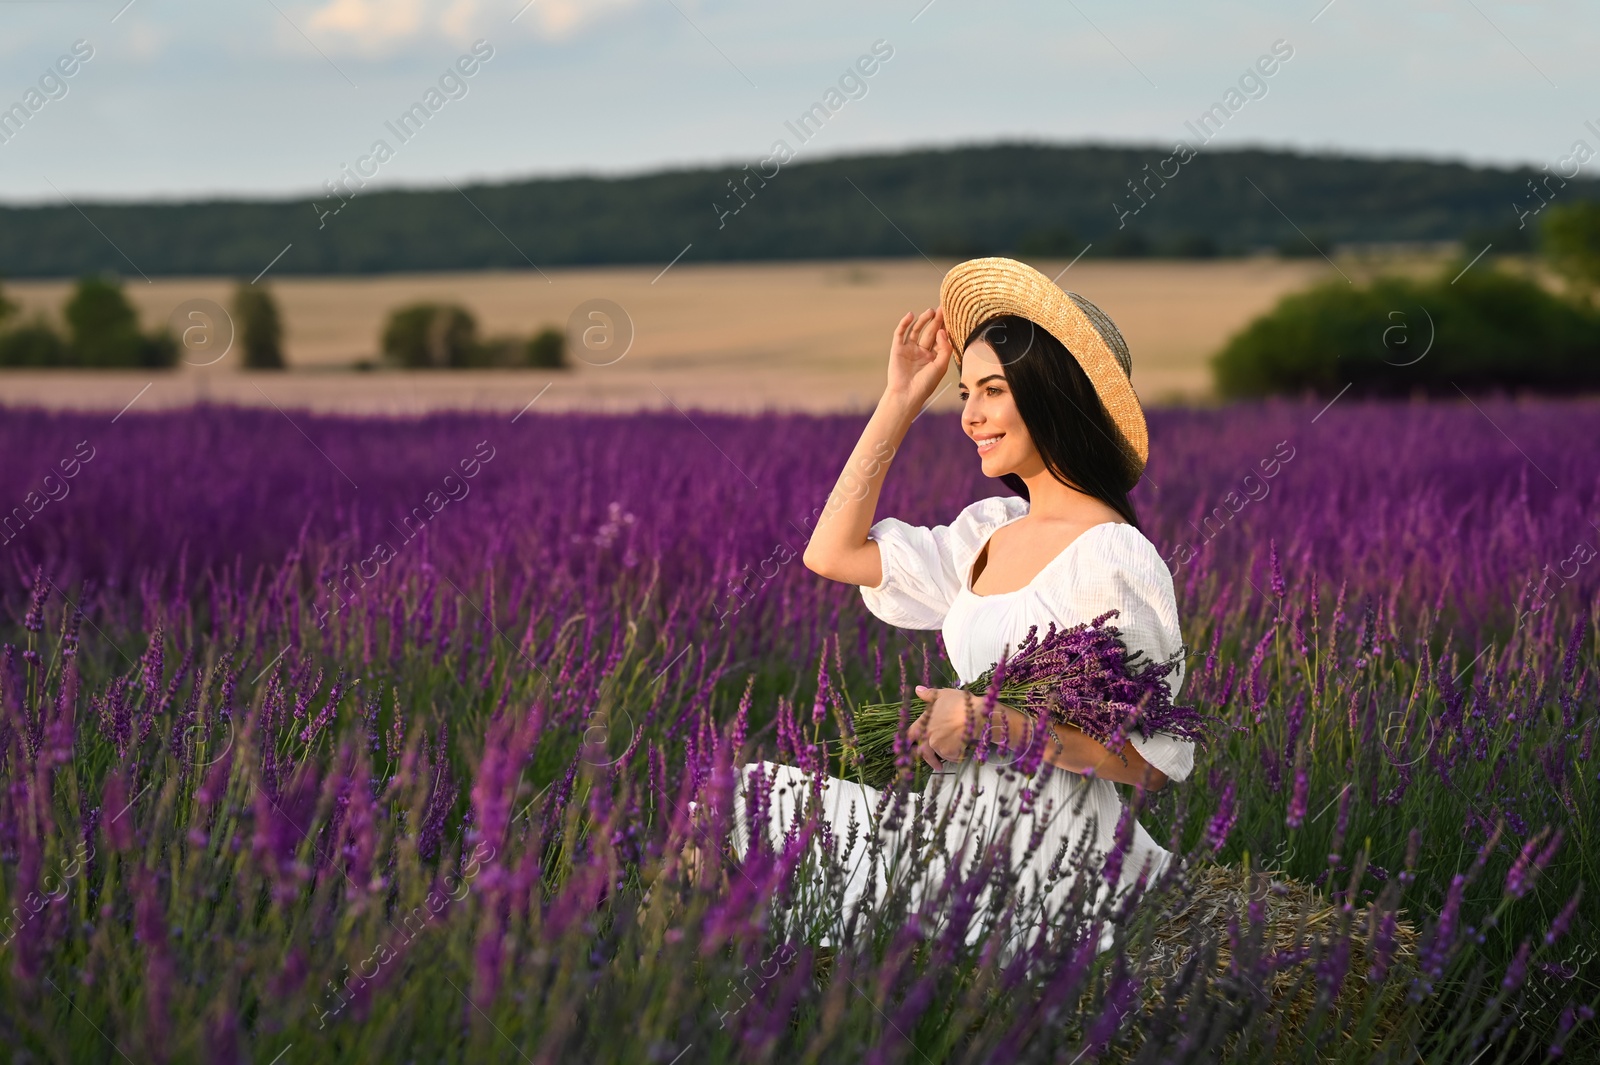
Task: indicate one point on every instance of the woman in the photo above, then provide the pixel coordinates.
(1047, 400)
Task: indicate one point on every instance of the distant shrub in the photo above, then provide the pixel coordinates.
(442, 335)
(547, 349)
(438, 335)
(1395, 336)
(1571, 241)
(496, 352)
(103, 330)
(33, 344)
(260, 328)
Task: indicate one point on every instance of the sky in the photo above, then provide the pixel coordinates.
(179, 100)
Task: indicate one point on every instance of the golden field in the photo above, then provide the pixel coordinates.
(727, 336)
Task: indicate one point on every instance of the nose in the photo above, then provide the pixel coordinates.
(971, 414)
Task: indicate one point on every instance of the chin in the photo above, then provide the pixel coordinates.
(994, 467)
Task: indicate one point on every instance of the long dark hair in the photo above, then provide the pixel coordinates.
(1080, 444)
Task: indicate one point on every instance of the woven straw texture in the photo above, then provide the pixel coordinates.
(980, 289)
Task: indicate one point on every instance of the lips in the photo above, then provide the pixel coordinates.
(987, 444)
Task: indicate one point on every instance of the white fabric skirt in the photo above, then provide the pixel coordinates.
(1064, 832)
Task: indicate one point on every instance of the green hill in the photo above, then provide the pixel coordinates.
(1018, 198)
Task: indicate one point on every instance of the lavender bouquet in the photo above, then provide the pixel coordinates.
(1082, 676)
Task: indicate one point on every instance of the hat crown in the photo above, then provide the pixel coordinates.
(980, 289)
(1108, 332)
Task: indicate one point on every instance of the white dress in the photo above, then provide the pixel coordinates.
(926, 574)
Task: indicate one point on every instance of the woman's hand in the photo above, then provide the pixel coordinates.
(919, 355)
(941, 733)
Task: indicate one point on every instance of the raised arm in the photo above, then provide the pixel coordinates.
(919, 355)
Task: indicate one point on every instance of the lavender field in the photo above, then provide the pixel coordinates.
(334, 739)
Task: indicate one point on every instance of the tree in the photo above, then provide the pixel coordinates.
(103, 330)
(33, 344)
(1477, 331)
(7, 308)
(260, 327)
(1571, 240)
(547, 349)
(423, 335)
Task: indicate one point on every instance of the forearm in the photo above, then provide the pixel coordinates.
(839, 548)
(1070, 748)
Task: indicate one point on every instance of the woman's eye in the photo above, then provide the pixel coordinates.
(994, 391)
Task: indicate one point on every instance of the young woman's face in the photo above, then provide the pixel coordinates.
(989, 415)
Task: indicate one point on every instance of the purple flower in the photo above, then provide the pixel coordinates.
(152, 662)
(1563, 921)
(1384, 941)
(1438, 947)
(1223, 820)
(1119, 999)
(1520, 877)
(1297, 798)
(33, 620)
(1517, 971)
(1122, 839)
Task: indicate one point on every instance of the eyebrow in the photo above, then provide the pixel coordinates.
(991, 377)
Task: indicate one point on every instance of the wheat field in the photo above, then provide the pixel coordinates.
(727, 336)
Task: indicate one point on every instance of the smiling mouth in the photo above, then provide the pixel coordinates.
(987, 444)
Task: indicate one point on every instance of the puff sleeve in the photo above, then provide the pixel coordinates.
(1123, 571)
(923, 568)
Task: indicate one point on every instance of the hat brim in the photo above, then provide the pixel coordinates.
(980, 289)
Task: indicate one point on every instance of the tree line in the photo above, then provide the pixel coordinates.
(1030, 200)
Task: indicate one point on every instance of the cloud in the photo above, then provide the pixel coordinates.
(381, 26)
(560, 19)
(374, 19)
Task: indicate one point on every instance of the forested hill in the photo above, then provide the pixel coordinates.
(1021, 199)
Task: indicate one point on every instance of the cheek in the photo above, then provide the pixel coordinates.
(1009, 421)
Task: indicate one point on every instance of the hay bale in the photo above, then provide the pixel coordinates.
(1299, 926)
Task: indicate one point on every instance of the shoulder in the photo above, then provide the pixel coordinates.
(954, 543)
(1121, 548)
(975, 521)
(985, 514)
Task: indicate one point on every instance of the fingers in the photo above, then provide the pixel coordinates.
(942, 346)
(900, 329)
(927, 325)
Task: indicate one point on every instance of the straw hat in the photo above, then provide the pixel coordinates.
(980, 289)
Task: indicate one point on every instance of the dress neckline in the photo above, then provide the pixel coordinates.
(966, 578)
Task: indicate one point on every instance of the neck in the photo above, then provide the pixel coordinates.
(1049, 498)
